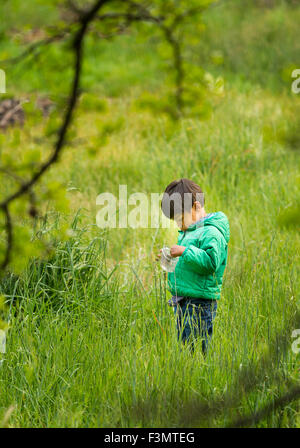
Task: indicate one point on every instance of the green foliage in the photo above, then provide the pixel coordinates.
(290, 217)
(255, 45)
(98, 345)
(3, 312)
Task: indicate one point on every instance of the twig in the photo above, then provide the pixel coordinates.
(31, 49)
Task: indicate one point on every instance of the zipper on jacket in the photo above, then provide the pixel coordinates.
(184, 233)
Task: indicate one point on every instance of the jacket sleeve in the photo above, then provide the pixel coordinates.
(208, 258)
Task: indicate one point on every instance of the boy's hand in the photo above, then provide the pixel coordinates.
(177, 251)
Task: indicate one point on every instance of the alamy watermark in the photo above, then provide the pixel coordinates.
(2, 81)
(141, 210)
(296, 84)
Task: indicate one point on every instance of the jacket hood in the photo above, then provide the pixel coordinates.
(218, 220)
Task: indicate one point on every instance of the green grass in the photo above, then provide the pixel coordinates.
(92, 341)
(90, 345)
(257, 45)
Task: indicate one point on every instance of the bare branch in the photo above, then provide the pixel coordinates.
(144, 17)
(24, 188)
(178, 66)
(31, 50)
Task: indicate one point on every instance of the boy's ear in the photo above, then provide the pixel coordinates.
(197, 206)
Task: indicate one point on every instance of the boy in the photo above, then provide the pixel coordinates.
(202, 247)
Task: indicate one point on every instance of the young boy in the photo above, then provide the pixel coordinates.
(202, 247)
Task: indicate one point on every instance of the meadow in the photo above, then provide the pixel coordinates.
(91, 339)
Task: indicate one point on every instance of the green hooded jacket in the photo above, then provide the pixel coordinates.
(199, 271)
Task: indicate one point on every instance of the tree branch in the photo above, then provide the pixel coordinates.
(31, 49)
(25, 187)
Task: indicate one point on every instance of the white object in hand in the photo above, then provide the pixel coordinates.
(167, 262)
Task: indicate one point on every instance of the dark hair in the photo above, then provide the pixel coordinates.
(179, 197)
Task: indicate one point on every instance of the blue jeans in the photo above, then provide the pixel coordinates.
(194, 319)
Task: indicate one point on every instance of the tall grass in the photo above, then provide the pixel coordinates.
(91, 345)
(92, 341)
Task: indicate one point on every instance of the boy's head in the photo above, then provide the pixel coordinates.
(183, 201)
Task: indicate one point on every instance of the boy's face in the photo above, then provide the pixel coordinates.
(186, 219)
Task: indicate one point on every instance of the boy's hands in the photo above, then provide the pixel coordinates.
(177, 251)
